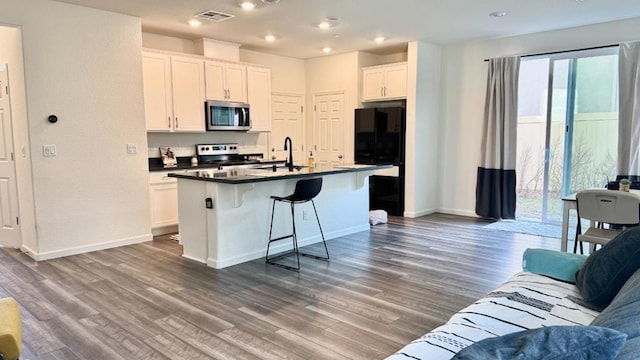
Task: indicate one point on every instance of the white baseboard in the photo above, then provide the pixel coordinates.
(88, 248)
(30, 253)
(276, 248)
(163, 230)
(458, 212)
(415, 214)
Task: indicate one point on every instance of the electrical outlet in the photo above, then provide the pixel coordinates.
(132, 148)
(49, 150)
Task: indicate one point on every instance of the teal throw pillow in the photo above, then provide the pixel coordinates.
(554, 264)
(549, 343)
(606, 270)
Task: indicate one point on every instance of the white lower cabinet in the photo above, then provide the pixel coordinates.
(163, 194)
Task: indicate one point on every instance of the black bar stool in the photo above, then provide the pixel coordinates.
(305, 191)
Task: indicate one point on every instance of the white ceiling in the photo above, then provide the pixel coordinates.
(294, 22)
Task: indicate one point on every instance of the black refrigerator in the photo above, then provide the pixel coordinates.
(380, 139)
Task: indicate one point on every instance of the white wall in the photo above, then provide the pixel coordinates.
(423, 129)
(464, 75)
(168, 43)
(288, 75)
(334, 73)
(83, 65)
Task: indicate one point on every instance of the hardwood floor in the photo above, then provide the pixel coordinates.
(380, 290)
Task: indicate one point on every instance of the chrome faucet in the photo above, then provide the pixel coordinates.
(290, 148)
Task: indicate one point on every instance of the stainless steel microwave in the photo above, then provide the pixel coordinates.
(222, 115)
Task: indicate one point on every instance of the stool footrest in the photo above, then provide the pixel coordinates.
(315, 256)
(271, 260)
(281, 238)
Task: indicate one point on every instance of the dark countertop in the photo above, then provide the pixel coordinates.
(243, 176)
(184, 163)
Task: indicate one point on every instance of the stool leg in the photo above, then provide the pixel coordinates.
(272, 260)
(321, 235)
(295, 236)
(273, 207)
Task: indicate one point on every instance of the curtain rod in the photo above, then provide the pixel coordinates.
(566, 51)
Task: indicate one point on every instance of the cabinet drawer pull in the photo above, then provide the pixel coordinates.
(169, 124)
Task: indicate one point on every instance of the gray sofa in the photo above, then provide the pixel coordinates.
(561, 307)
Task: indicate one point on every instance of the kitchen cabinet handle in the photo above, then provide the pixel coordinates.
(273, 157)
(385, 91)
(273, 149)
(381, 90)
(340, 157)
(169, 124)
(177, 126)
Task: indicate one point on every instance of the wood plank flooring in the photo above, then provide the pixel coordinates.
(381, 289)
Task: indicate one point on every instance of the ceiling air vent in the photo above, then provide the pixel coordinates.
(216, 16)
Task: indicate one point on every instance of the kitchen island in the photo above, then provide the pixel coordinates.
(224, 214)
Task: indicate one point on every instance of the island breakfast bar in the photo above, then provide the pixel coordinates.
(224, 214)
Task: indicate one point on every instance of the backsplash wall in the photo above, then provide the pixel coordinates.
(184, 143)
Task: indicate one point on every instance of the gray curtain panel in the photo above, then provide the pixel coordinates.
(629, 112)
(496, 182)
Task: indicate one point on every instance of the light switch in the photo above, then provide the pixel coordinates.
(132, 148)
(49, 150)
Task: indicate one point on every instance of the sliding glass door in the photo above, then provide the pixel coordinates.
(567, 129)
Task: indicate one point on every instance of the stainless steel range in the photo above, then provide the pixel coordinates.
(225, 155)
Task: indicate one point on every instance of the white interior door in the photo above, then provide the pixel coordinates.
(287, 121)
(329, 128)
(9, 229)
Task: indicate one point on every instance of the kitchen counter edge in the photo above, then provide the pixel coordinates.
(286, 175)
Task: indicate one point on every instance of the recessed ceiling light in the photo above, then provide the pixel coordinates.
(324, 25)
(270, 38)
(498, 14)
(326, 50)
(328, 22)
(248, 5)
(379, 39)
(195, 23)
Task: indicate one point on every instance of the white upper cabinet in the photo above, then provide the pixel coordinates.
(259, 98)
(225, 81)
(158, 107)
(188, 94)
(384, 82)
(173, 93)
